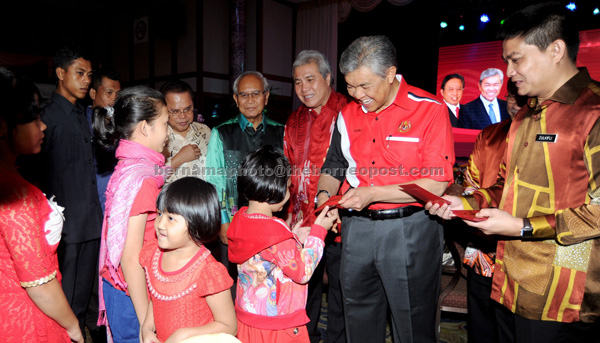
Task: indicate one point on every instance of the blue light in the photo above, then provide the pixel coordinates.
(484, 18)
(596, 11)
(443, 25)
(571, 6)
(462, 27)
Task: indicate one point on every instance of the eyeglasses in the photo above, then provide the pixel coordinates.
(177, 112)
(253, 95)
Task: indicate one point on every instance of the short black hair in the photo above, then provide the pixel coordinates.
(65, 56)
(541, 24)
(99, 74)
(197, 202)
(453, 76)
(176, 86)
(264, 176)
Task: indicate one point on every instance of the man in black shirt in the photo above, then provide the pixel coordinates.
(68, 173)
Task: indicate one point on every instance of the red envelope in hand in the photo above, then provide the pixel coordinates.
(421, 193)
(469, 215)
(331, 202)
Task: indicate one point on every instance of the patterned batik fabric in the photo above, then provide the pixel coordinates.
(550, 174)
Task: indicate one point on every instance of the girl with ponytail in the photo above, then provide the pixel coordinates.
(137, 128)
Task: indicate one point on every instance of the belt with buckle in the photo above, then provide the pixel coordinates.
(393, 213)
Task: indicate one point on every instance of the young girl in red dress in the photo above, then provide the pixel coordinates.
(33, 306)
(274, 262)
(137, 127)
(189, 289)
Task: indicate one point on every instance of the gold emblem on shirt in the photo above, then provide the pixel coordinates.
(404, 127)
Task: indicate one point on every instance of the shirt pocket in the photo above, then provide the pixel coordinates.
(400, 148)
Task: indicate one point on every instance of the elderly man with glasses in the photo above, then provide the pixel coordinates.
(235, 138)
(185, 152)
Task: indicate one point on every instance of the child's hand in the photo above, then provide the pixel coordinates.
(301, 231)
(150, 338)
(149, 335)
(327, 218)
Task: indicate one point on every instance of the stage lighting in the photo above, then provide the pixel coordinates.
(571, 6)
(484, 18)
(443, 25)
(462, 27)
(596, 11)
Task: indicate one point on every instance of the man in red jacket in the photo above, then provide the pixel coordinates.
(306, 141)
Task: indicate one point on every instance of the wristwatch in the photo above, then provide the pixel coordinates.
(527, 230)
(317, 196)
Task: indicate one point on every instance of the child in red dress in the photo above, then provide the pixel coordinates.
(33, 306)
(274, 262)
(189, 289)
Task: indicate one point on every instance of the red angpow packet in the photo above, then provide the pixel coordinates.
(331, 202)
(422, 194)
(469, 215)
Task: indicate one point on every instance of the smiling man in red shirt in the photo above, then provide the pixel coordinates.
(306, 141)
(393, 134)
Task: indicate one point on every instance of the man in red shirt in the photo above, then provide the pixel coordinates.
(306, 141)
(394, 134)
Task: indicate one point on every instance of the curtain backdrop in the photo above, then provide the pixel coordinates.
(317, 29)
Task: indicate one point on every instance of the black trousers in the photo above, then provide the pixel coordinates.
(78, 264)
(514, 328)
(481, 315)
(395, 264)
(335, 313)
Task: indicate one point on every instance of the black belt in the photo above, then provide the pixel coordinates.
(392, 213)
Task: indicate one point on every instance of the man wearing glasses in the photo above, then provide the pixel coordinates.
(232, 140)
(186, 149)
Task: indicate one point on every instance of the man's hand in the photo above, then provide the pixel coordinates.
(498, 223)
(188, 153)
(357, 198)
(223, 233)
(445, 211)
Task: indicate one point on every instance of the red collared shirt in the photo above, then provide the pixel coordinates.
(409, 140)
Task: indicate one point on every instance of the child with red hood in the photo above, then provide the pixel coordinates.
(274, 262)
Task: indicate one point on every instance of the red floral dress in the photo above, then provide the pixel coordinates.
(29, 235)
